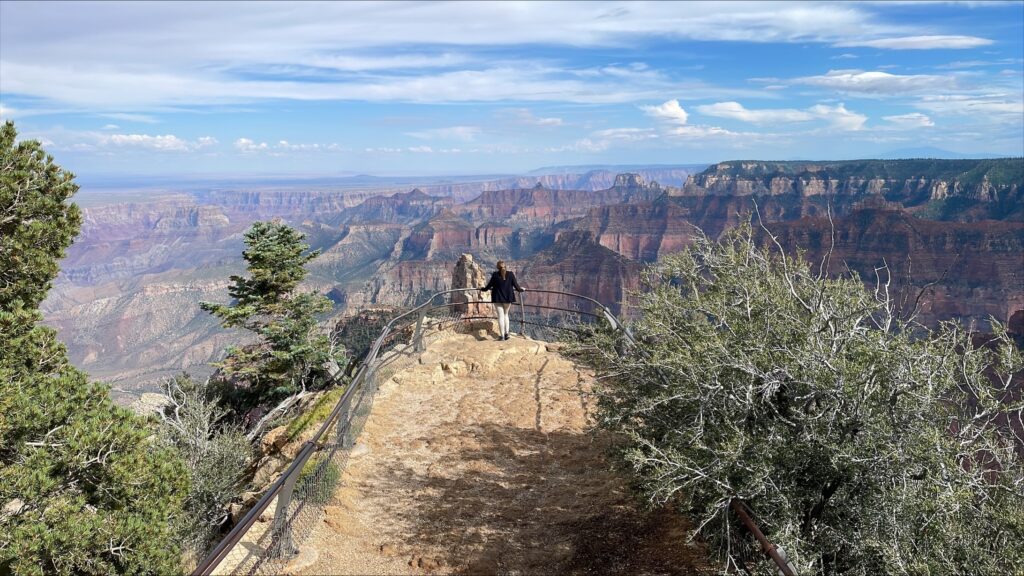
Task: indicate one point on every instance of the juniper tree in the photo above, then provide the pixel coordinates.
(290, 353)
(83, 487)
(865, 444)
(215, 453)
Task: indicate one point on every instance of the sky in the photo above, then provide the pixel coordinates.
(399, 88)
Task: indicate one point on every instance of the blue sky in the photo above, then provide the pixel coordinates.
(462, 88)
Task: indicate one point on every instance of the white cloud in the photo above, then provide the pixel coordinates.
(675, 119)
(670, 112)
(627, 134)
(111, 127)
(7, 112)
(140, 118)
(839, 117)
(736, 111)
(462, 133)
(113, 56)
(984, 106)
(911, 120)
(205, 142)
(247, 145)
(582, 145)
(701, 131)
(877, 83)
(844, 57)
(525, 116)
(166, 142)
(933, 42)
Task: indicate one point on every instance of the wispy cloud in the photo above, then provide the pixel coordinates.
(933, 42)
(736, 111)
(985, 106)
(526, 117)
(128, 117)
(911, 120)
(462, 133)
(113, 55)
(878, 83)
(837, 116)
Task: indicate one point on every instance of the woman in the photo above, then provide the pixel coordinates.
(501, 287)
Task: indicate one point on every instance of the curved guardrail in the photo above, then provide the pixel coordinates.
(262, 542)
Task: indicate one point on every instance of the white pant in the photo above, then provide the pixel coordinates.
(502, 309)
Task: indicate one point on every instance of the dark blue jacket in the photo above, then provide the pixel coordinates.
(502, 291)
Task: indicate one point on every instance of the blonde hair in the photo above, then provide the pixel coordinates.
(501, 268)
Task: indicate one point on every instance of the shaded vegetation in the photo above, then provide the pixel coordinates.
(864, 443)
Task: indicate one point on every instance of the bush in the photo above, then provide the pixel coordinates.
(317, 481)
(318, 413)
(866, 444)
(215, 455)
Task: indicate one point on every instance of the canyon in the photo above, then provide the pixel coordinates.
(126, 302)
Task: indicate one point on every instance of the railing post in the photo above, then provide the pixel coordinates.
(785, 568)
(282, 531)
(417, 339)
(344, 432)
(522, 314)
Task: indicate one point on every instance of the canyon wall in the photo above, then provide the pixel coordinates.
(126, 302)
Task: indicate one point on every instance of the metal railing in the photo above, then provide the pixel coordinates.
(264, 542)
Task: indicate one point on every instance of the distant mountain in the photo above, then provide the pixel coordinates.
(616, 168)
(933, 152)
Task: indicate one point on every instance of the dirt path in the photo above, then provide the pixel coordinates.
(477, 461)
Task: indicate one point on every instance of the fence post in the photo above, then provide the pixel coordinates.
(282, 533)
(522, 314)
(417, 339)
(784, 567)
(344, 424)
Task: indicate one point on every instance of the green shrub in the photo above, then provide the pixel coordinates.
(318, 413)
(866, 444)
(317, 481)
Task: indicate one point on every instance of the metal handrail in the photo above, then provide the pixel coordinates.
(282, 488)
(286, 481)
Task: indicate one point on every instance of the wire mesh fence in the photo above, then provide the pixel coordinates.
(273, 532)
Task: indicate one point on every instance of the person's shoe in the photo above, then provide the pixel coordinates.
(506, 336)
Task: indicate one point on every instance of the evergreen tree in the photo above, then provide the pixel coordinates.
(84, 489)
(290, 354)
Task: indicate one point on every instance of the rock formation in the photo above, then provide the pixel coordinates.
(126, 301)
(963, 190)
(468, 274)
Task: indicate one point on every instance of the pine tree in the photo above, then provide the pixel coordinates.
(84, 488)
(289, 355)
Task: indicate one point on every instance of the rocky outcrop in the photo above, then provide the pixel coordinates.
(577, 264)
(398, 208)
(968, 271)
(539, 206)
(978, 189)
(468, 274)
